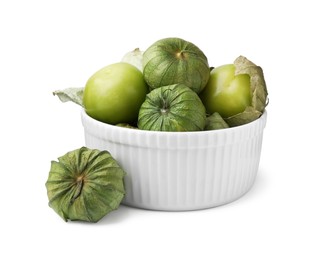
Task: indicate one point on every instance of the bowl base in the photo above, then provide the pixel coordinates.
(182, 208)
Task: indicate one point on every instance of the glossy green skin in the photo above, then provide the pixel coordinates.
(226, 93)
(173, 108)
(115, 93)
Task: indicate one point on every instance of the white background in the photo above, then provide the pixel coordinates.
(49, 45)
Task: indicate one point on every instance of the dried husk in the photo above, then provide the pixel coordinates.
(70, 94)
(215, 122)
(134, 58)
(173, 108)
(85, 184)
(173, 60)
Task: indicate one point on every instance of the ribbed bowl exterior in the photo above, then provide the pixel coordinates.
(178, 171)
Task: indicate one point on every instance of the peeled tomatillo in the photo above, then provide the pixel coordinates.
(115, 93)
(227, 93)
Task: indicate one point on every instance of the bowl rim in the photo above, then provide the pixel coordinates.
(86, 117)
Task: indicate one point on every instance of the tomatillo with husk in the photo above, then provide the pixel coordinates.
(236, 91)
(172, 108)
(174, 60)
(85, 184)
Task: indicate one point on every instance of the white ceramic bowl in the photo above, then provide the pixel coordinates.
(181, 170)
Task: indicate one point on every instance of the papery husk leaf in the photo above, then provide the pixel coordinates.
(250, 114)
(172, 108)
(134, 58)
(126, 125)
(258, 90)
(85, 184)
(258, 84)
(70, 94)
(215, 122)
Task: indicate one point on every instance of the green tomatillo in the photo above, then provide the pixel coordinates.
(172, 108)
(85, 184)
(236, 91)
(174, 60)
(227, 93)
(115, 93)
